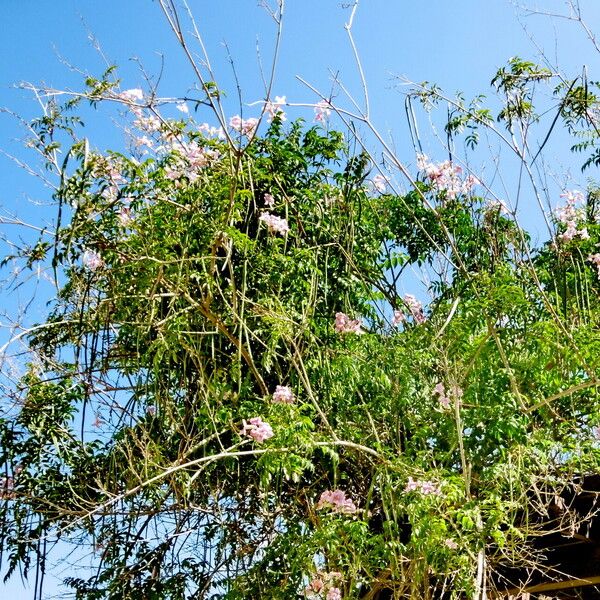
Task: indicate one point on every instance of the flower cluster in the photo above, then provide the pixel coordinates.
(425, 487)
(273, 109)
(445, 399)
(570, 216)
(283, 395)
(92, 260)
(595, 260)
(131, 95)
(246, 127)
(7, 485)
(147, 123)
(125, 217)
(446, 177)
(210, 131)
(257, 429)
(379, 183)
(415, 308)
(274, 223)
(336, 500)
(322, 587)
(344, 324)
(322, 111)
(269, 200)
(188, 159)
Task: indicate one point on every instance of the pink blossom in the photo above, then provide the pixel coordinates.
(173, 173)
(124, 216)
(445, 399)
(182, 107)
(131, 95)
(236, 123)
(275, 224)
(336, 500)
(269, 200)
(571, 216)
(283, 395)
(7, 485)
(442, 398)
(450, 544)
(323, 584)
(412, 485)
(425, 487)
(92, 260)
(446, 177)
(207, 130)
(144, 140)
(150, 123)
(416, 309)
(499, 205)
(322, 111)
(344, 324)
(273, 109)
(399, 317)
(314, 587)
(379, 183)
(246, 127)
(257, 429)
(595, 260)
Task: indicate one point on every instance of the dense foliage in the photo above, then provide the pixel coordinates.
(231, 396)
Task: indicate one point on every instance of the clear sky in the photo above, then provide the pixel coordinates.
(459, 45)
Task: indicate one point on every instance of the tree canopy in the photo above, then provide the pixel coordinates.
(230, 396)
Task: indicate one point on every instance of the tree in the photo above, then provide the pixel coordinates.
(273, 418)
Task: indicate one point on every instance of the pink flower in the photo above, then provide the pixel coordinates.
(336, 500)
(182, 107)
(416, 309)
(399, 317)
(131, 95)
(150, 123)
(236, 123)
(143, 140)
(595, 260)
(124, 216)
(571, 216)
(246, 127)
(207, 130)
(425, 487)
(344, 324)
(412, 485)
(273, 109)
(446, 177)
(257, 429)
(314, 587)
(322, 111)
(7, 485)
(379, 183)
(269, 200)
(451, 544)
(334, 594)
(92, 260)
(499, 205)
(442, 398)
(283, 395)
(275, 224)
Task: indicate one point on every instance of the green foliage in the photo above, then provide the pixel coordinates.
(182, 308)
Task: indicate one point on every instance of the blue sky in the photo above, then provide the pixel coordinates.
(459, 45)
